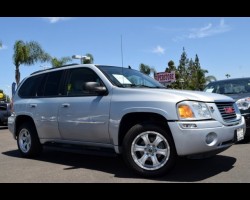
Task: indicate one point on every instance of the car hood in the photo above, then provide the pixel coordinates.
(171, 95)
(199, 96)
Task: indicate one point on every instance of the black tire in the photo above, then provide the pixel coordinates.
(132, 158)
(34, 148)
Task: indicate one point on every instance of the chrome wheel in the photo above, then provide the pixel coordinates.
(24, 140)
(150, 150)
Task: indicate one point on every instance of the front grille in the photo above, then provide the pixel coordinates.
(227, 111)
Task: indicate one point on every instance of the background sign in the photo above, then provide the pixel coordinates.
(165, 77)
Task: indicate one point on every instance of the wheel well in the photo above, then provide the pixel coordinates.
(21, 119)
(132, 119)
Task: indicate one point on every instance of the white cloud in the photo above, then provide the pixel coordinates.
(205, 31)
(3, 47)
(56, 19)
(209, 30)
(158, 50)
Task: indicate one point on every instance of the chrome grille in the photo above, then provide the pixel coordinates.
(227, 111)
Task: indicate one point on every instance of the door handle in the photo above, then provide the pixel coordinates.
(65, 105)
(33, 105)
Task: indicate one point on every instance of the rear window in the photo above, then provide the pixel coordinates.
(43, 85)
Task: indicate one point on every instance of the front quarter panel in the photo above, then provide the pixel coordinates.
(130, 101)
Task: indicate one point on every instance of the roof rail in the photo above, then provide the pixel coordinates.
(54, 68)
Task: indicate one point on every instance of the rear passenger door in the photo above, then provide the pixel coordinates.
(44, 103)
(83, 115)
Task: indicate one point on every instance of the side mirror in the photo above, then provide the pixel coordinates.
(94, 87)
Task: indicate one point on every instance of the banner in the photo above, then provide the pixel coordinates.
(165, 77)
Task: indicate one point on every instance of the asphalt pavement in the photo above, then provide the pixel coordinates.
(230, 166)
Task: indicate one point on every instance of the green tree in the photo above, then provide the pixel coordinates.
(57, 62)
(197, 75)
(183, 71)
(171, 67)
(1, 43)
(27, 53)
(89, 61)
(145, 69)
(191, 72)
(227, 75)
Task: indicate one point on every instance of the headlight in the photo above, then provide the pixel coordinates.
(243, 104)
(192, 110)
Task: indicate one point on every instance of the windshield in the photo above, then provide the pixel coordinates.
(236, 86)
(125, 77)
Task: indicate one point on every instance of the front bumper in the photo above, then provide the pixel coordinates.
(189, 141)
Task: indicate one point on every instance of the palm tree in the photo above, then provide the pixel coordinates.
(89, 61)
(59, 62)
(27, 53)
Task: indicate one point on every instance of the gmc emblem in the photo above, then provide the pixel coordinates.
(229, 110)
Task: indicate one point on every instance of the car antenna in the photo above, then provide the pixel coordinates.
(122, 61)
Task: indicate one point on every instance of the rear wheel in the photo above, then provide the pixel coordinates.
(149, 150)
(27, 141)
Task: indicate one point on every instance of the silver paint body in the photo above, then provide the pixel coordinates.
(95, 120)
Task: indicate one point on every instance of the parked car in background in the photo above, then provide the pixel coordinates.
(5, 112)
(239, 90)
(124, 111)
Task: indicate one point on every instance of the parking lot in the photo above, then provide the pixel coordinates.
(56, 166)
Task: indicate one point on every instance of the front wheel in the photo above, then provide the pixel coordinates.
(149, 150)
(28, 141)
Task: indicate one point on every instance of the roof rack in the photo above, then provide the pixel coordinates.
(53, 68)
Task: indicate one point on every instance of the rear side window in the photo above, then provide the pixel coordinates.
(43, 85)
(30, 87)
(53, 83)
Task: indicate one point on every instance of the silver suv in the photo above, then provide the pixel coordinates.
(121, 109)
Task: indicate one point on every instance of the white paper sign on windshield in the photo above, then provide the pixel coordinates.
(210, 90)
(122, 79)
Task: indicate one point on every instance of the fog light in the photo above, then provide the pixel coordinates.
(189, 125)
(211, 138)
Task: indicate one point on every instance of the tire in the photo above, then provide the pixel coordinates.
(149, 150)
(27, 141)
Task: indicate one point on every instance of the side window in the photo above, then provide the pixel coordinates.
(52, 83)
(77, 79)
(30, 87)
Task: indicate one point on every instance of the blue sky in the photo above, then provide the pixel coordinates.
(222, 44)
